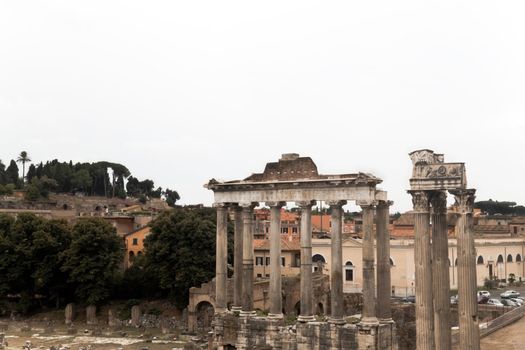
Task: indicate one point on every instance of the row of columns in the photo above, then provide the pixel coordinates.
(243, 251)
(432, 271)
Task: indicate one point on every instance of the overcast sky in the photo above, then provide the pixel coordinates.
(184, 91)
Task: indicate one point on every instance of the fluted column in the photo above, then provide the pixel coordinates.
(247, 259)
(440, 271)
(423, 272)
(221, 259)
(336, 270)
(384, 309)
(468, 307)
(368, 316)
(306, 262)
(275, 259)
(237, 258)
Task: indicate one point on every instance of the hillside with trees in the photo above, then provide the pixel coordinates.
(101, 178)
(504, 208)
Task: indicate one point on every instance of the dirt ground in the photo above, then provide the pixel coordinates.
(125, 338)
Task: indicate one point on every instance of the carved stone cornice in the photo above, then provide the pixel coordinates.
(464, 200)
(438, 202)
(336, 203)
(275, 204)
(420, 201)
(305, 204)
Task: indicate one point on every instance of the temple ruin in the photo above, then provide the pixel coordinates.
(431, 179)
(296, 179)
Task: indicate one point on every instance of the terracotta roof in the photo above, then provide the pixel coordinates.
(286, 243)
(147, 228)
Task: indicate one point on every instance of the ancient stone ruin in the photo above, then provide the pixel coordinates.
(296, 179)
(431, 179)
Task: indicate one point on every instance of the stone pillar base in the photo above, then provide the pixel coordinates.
(334, 320)
(368, 322)
(248, 313)
(276, 316)
(304, 318)
(236, 309)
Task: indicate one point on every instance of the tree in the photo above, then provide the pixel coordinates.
(12, 173)
(23, 158)
(171, 249)
(93, 259)
(81, 180)
(171, 197)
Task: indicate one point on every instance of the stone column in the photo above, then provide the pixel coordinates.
(384, 309)
(247, 260)
(336, 270)
(440, 271)
(368, 316)
(306, 262)
(221, 259)
(276, 302)
(423, 271)
(468, 307)
(237, 258)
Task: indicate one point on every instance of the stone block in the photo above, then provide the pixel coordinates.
(136, 313)
(91, 315)
(69, 313)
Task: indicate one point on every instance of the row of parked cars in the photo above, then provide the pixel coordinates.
(508, 298)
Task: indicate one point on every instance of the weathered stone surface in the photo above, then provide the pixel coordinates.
(70, 313)
(113, 320)
(136, 312)
(91, 315)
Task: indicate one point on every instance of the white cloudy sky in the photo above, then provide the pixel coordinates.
(183, 91)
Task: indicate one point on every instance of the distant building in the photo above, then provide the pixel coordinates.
(134, 242)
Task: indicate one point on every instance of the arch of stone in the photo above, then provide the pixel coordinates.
(431, 179)
(296, 179)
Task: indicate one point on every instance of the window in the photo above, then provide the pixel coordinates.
(500, 259)
(456, 262)
(131, 256)
(267, 275)
(349, 272)
(318, 258)
(294, 229)
(515, 229)
(518, 258)
(135, 241)
(480, 260)
(509, 258)
(267, 261)
(259, 275)
(258, 260)
(284, 230)
(283, 261)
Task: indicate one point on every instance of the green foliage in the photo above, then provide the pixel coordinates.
(171, 197)
(495, 207)
(7, 189)
(30, 261)
(40, 188)
(181, 251)
(93, 259)
(11, 174)
(154, 311)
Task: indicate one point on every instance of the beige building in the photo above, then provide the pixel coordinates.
(498, 257)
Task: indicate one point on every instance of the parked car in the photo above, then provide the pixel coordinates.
(517, 301)
(484, 293)
(494, 302)
(508, 302)
(410, 299)
(454, 299)
(509, 294)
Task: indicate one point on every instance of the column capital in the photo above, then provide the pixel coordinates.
(275, 204)
(464, 199)
(248, 205)
(384, 204)
(366, 204)
(235, 206)
(220, 205)
(420, 201)
(336, 203)
(438, 201)
(305, 204)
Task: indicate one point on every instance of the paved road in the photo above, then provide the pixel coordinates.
(511, 337)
